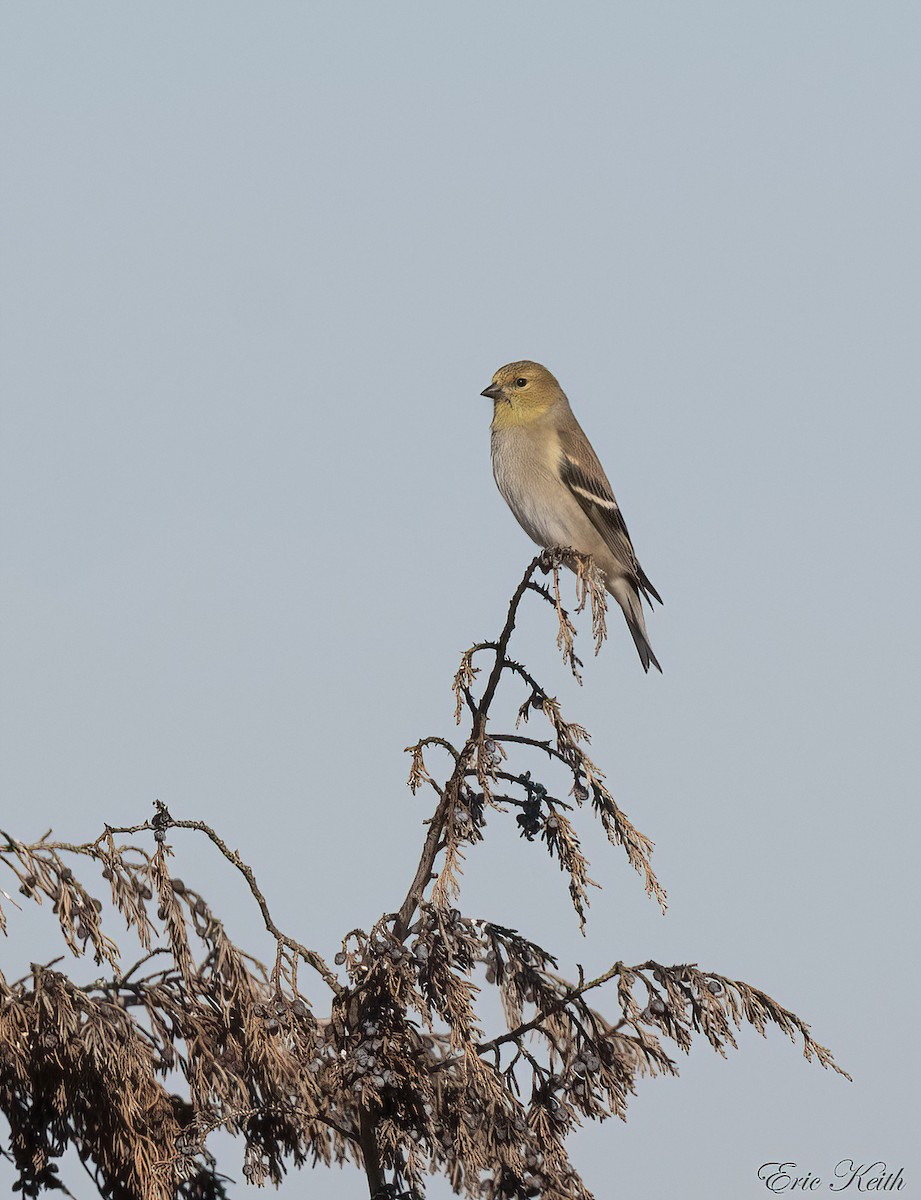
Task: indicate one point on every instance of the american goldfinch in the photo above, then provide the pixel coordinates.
(551, 479)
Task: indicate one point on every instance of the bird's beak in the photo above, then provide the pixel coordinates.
(494, 392)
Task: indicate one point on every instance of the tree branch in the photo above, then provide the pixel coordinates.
(479, 715)
(233, 857)
(514, 1034)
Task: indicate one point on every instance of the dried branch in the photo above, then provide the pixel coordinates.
(233, 857)
(480, 712)
(137, 1068)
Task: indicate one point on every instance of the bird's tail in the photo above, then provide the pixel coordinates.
(628, 599)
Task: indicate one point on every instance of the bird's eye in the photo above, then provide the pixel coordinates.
(521, 382)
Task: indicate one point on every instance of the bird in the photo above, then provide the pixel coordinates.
(551, 479)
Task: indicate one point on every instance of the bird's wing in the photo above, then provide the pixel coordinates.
(583, 475)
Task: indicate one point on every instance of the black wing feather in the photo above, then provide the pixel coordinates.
(597, 500)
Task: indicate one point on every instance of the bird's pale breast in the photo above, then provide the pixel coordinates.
(526, 468)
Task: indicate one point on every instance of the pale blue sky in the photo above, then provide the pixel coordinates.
(259, 261)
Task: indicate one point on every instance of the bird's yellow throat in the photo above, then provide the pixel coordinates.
(508, 416)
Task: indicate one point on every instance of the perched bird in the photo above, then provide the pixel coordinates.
(554, 484)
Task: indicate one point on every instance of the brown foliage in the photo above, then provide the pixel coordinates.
(136, 1069)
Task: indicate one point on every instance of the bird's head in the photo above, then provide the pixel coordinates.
(521, 392)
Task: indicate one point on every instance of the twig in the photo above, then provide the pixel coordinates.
(123, 979)
(233, 857)
(514, 1034)
(537, 743)
(480, 711)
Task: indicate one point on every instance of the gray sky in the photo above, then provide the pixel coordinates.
(259, 261)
